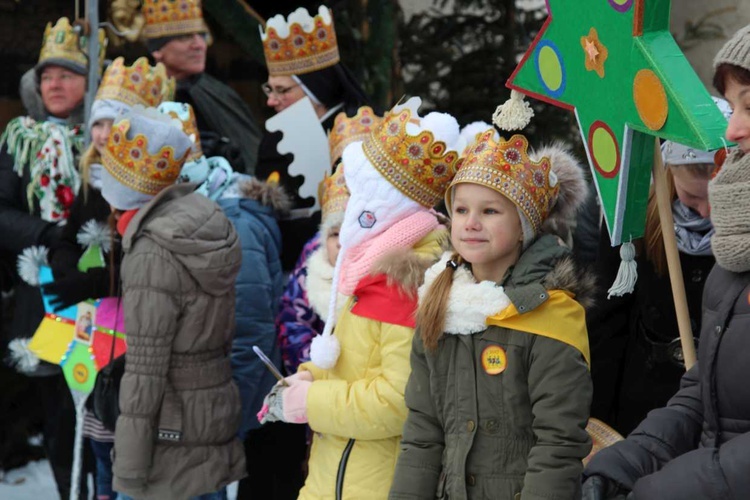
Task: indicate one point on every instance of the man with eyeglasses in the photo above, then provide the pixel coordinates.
(177, 36)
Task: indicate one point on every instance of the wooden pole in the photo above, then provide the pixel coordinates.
(666, 220)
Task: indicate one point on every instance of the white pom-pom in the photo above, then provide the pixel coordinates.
(324, 351)
(94, 233)
(627, 275)
(21, 356)
(513, 114)
(29, 262)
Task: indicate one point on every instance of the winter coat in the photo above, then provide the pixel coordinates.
(179, 407)
(698, 446)
(519, 433)
(636, 352)
(356, 409)
(258, 288)
(22, 228)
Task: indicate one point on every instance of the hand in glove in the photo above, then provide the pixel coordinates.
(77, 287)
(287, 403)
(601, 488)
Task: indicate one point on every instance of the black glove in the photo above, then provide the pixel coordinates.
(76, 287)
(601, 488)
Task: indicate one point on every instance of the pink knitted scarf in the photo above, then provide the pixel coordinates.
(357, 261)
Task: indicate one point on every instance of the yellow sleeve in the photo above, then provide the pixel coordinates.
(371, 408)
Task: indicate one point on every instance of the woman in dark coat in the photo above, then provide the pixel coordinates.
(698, 445)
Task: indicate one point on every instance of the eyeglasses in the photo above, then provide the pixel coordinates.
(279, 92)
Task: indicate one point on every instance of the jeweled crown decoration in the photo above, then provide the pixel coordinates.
(418, 165)
(61, 42)
(506, 167)
(333, 194)
(351, 129)
(128, 161)
(140, 83)
(172, 18)
(190, 127)
(301, 43)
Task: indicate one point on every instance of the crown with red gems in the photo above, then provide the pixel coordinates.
(420, 166)
(129, 161)
(140, 83)
(301, 43)
(164, 18)
(333, 193)
(347, 130)
(506, 167)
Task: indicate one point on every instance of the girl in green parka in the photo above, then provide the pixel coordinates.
(500, 389)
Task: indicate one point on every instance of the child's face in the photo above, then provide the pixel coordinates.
(100, 133)
(485, 230)
(332, 245)
(692, 190)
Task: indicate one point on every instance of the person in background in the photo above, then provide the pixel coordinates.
(177, 36)
(641, 363)
(292, 76)
(253, 207)
(180, 411)
(698, 445)
(39, 182)
(121, 88)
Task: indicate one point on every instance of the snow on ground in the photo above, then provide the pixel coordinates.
(35, 482)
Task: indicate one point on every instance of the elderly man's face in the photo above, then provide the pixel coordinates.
(62, 90)
(183, 56)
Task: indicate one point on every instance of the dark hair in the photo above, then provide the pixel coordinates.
(725, 72)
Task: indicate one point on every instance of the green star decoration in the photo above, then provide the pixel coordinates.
(648, 89)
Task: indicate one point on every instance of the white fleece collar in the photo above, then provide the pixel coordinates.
(469, 302)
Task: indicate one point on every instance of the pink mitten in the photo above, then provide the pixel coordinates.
(294, 402)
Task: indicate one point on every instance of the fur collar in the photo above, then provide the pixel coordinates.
(320, 282)
(268, 195)
(469, 302)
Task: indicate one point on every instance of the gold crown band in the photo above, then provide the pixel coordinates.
(303, 65)
(175, 28)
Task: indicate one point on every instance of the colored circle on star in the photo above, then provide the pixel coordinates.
(550, 68)
(650, 99)
(621, 5)
(80, 373)
(604, 150)
(494, 359)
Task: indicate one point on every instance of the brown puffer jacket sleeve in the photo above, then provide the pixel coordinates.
(151, 297)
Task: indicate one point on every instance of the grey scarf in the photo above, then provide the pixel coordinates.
(693, 231)
(729, 195)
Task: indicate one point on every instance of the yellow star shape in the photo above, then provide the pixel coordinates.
(596, 52)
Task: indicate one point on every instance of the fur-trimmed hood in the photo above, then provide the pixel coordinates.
(268, 195)
(471, 303)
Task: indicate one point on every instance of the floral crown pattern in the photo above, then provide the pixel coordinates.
(300, 44)
(417, 165)
(140, 83)
(129, 161)
(165, 18)
(505, 167)
(333, 193)
(61, 42)
(347, 130)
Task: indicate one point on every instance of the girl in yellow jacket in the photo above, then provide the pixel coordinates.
(352, 392)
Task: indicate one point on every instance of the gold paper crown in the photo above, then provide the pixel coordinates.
(129, 161)
(190, 127)
(506, 167)
(333, 193)
(140, 83)
(172, 18)
(310, 44)
(419, 166)
(61, 44)
(347, 130)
